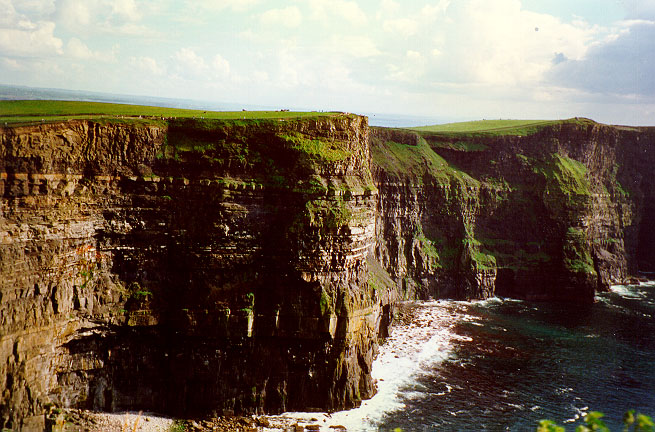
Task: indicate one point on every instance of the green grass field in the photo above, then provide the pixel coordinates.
(494, 127)
(29, 111)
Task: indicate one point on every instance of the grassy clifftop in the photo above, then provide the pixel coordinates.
(495, 127)
(28, 111)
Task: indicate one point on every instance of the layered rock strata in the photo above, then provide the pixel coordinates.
(554, 213)
(186, 267)
(196, 267)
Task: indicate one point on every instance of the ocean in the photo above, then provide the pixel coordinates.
(502, 365)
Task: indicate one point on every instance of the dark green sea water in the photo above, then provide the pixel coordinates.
(504, 364)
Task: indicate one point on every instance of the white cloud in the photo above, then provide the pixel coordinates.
(78, 49)
(148, 65)
(23, 36)
(29, 39)
(355, 46)
(220, 65)
(411, 68)
(73, 14)
(388, 8)
(287, 17)
(219, 5)
(406, 21)
(343, 9)
(430, 12)
(188, 64)
(499, 43)
(403, 27)
(125, 10)
(260, 76)
(10, 63)
(118, 17)
(36, 9)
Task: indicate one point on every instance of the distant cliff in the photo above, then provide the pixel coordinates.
(554, 214)
(194, 267)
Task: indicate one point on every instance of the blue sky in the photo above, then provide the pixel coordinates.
(450, 59)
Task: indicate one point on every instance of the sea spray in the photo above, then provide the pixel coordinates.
(415, 344)
(503, 364)
(421, 337)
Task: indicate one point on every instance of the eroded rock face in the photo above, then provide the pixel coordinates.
(194, 267)
(186, 268)
(554, 215)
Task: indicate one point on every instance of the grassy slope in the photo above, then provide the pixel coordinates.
(36, 110)
(494, 127)
(417, 163)
(564, 179)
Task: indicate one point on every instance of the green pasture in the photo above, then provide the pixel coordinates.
(28, 111)
(494, 127)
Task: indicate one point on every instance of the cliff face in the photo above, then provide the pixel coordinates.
(555, 214)
(187, 267)
(196, 267)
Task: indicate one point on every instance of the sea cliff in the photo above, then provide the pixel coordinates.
(196, 267)
(554, 213)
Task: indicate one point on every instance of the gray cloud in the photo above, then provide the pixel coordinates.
(640, 9)
(623, 66)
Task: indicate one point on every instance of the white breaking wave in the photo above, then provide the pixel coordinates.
(627, 291)
(412, 347)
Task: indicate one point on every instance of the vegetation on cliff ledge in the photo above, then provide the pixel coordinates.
(419, 164)
(317, 148)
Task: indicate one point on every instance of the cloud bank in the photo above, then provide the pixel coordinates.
(442, 58)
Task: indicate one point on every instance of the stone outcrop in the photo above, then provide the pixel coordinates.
(195, 267)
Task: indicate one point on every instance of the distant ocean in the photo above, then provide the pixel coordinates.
(9, 92)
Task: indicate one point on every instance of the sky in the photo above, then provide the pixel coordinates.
(447, 59)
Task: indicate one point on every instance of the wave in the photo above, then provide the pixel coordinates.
(628, 291)
(413, 347)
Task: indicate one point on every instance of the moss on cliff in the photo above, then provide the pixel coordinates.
(282, 155)
(430, 250)
(565, 178)
(326, 214)
(317, 148)
(419, 164)
(577, 257)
